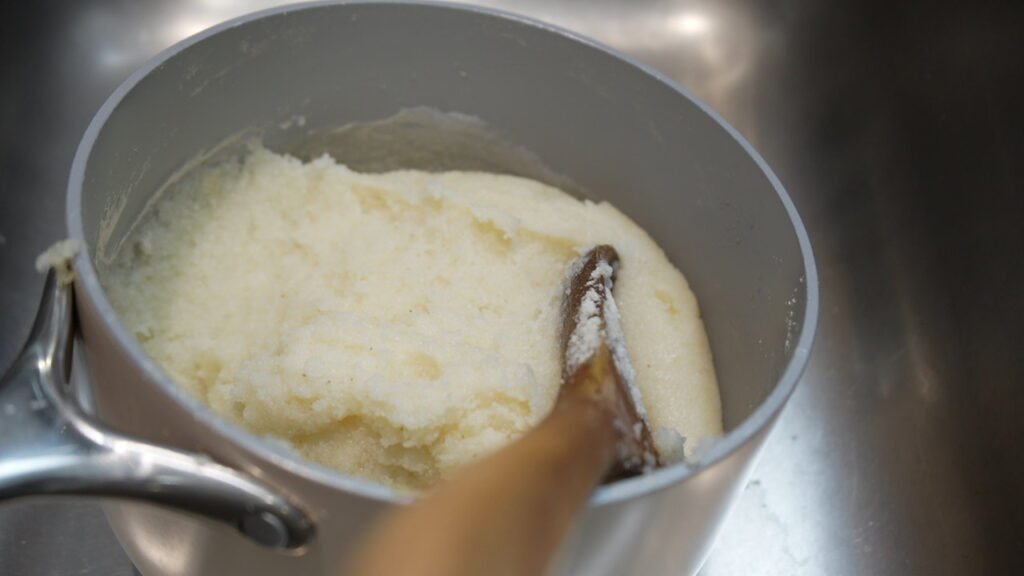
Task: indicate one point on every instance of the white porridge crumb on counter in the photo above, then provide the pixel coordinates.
(395, 326)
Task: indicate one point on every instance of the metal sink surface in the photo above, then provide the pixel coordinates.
(895, 126)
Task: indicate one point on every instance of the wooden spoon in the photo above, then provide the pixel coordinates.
(508, 513)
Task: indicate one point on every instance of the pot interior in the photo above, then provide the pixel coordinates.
(529, 101)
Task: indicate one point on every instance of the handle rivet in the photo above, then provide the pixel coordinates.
(265, 528)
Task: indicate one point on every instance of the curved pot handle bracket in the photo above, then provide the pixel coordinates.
(48, 446)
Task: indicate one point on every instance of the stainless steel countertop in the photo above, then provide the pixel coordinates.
(897, 129)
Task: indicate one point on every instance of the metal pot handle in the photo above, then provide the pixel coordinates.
(48, 446)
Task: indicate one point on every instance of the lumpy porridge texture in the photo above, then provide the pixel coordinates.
(394, 326)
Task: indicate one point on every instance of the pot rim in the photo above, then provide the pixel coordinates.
(88, 285)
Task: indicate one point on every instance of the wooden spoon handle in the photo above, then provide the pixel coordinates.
(505, 515)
